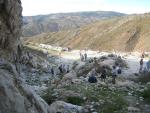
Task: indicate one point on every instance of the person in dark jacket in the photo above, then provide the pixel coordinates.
(60, 68)
(52, 71)
(92, 78)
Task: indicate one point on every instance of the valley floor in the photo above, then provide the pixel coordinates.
(74, 88)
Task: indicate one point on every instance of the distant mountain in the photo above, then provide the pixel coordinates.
(33, 25)
(128, 33)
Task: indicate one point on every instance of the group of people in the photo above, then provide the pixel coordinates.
(114, 72)
(62, 69)
(144, 67)
(83, 57)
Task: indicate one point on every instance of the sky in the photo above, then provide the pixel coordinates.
(37, 7)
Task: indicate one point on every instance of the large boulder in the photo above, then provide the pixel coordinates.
(10, 27)
(16, 97)
(63, 107)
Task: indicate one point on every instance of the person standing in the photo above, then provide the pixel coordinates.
(82, 57)
(114, 74)
(68, 69)
(80, 54)
(103, 74)
(143, 55)
(60, 68)
(85, 56)
(141, 65)
(92, 78)
(52, 71)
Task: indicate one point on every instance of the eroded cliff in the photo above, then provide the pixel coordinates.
(15, 95)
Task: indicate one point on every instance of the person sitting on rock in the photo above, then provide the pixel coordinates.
(103, 73)
(92, 78)
(119, 70)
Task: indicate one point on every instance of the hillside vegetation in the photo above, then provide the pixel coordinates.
(129, 33)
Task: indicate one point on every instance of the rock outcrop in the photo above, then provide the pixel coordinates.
(63, 107)
(10, 27)
(15, 95)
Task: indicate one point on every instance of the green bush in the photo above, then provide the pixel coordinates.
(75, 100)
(146, 95)
(144, 77)
(48, 97)
(121, 62)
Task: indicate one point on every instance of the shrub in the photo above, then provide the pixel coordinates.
(120, 62)
(146, 95)
(111, 55)
(48, 97)
(144, 77)
(75, 100)
(103, 58)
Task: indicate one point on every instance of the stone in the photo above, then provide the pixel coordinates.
(148, 83)
(10, 24)
(133, 110)
(18, 97)
(141, 98)
(129, 93)
(63, 107)
(77, 81)
(84, 98)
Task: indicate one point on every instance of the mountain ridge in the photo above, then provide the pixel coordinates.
(129, 33)
(33, 25)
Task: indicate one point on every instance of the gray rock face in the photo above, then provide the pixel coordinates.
(10, 26)
(15, 96)
(63, 107)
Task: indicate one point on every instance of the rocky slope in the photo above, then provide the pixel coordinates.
(129, 33)
(34, 25)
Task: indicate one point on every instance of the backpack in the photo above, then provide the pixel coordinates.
(119, 71)
(92, 79)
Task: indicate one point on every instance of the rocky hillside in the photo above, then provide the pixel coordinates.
(127, 33)
(33, 25)
(28, 84)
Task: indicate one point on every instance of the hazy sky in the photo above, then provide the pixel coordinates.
(36, 7)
